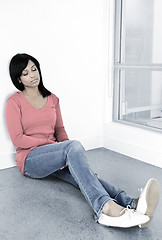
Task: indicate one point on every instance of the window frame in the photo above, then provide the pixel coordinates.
(119, 20)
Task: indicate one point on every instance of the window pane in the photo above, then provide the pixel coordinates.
(141, 31)
(141, 97)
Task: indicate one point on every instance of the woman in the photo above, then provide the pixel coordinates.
(36, 128)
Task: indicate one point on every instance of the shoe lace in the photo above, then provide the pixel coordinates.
(128, 209)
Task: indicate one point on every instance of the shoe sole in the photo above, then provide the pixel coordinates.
(152, 199)
(119, 223)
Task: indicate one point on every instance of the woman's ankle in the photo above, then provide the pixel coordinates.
(136, 203)
(112, 209)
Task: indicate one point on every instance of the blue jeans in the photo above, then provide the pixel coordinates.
(48, 159)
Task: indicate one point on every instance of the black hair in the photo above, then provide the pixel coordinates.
(17, 64)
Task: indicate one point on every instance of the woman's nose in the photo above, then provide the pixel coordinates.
(31, 74)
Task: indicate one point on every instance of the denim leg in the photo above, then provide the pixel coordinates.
(88, 183)
(65, 175)
(119, 195)
(47, 159)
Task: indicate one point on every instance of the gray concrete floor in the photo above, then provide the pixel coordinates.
(51, 209)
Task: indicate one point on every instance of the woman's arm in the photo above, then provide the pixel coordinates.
(14, 124)
(60, 132)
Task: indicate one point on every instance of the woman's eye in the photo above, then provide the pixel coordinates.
(34, 69)
(25, 74)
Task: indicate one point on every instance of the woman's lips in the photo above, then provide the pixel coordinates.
(35, 80)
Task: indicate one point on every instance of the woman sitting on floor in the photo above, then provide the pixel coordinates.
(36, 128)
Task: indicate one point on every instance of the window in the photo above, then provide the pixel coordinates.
(138, 63)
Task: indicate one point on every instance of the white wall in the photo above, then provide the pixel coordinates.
(73, 40)
(67, 37)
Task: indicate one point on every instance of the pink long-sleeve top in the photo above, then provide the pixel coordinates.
(30, 127)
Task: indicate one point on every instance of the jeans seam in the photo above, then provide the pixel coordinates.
(40, 155)
(101, 208)
(90, 199)
(87, 196)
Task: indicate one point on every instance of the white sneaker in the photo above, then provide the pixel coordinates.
(130, 218)
(149, 199)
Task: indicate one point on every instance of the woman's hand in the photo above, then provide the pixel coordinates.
(62, 168)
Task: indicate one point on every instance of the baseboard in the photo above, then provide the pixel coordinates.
(139, 152)
(127, 148)
(92, 142)
(7, 160)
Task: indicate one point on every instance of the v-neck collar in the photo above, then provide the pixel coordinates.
(37, 109)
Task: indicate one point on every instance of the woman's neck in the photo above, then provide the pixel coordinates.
(31, 92)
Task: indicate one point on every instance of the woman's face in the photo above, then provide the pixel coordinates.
(30, 76)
